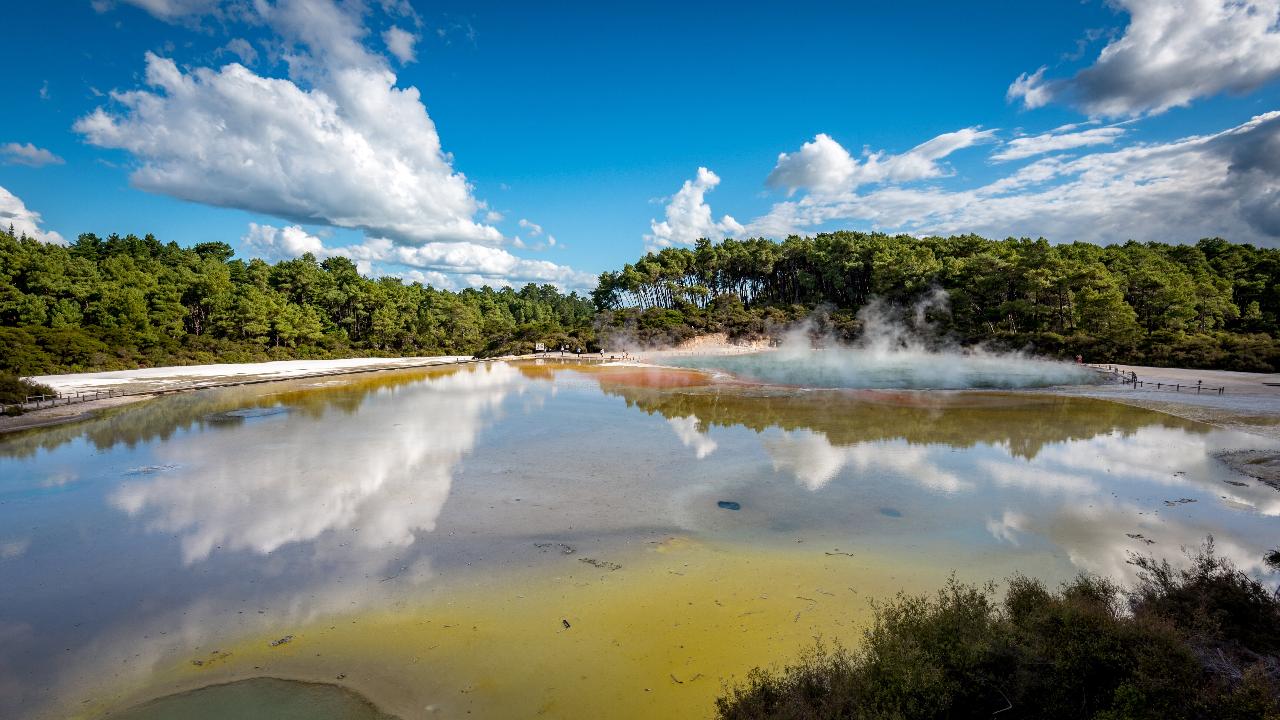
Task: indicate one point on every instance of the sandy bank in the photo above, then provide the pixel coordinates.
(134, 386)
(712, 344)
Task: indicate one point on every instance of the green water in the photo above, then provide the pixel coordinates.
(258, 699)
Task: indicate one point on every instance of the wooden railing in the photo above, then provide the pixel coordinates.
(1131, 378)
(37, 402)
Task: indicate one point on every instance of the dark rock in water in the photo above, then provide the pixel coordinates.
(728, 505)
(238, 416)
(890, 512)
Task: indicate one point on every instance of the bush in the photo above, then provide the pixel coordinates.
(1195, 643)
(14, 389)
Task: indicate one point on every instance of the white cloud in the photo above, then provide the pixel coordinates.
(1050, 142)
(824, 167)
(14, 213)
(273, 243)
(486, 265)
(167, 10)
(1172, 52)
(346, 147)
(689, 217)
(438, 264)
(1030, 88)
(534, 228)
(28, 154)
(400, 43)
(1221, 184)
(242, 49)
(821, 166)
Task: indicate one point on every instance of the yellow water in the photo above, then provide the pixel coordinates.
(658, 637)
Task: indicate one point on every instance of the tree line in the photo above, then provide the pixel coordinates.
(119, 302)
(1214, 304)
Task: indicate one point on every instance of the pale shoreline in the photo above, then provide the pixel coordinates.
(132, 386)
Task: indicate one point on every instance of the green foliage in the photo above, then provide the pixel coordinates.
(123, 302)
(1195, 643)
(1213, 304)
(16, 390)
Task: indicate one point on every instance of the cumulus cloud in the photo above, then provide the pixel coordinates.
(438, 264)
(28, 154)
(1056, 141)
(478, 264)
(689, 216)
(272, 243)
(336, 143)
(242, 49)
(1172, 52)
(1218, 184)
(822, 166)
(400, 43)
(14, 213)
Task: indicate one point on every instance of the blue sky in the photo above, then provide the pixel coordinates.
(415, 137)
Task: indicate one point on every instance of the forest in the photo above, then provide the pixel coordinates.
(124, 302)
(121, 302)
(1214, 304)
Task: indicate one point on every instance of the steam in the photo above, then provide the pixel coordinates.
(899, 347)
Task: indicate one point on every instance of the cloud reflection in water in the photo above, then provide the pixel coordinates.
(262, 485)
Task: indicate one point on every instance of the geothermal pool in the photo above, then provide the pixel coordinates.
(892, 368)
(549, 539)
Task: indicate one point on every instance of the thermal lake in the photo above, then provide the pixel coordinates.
(553, 540)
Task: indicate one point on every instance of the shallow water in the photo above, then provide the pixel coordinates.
(258, 699)
(550, 539)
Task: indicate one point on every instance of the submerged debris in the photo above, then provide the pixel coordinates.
(602, 564)
(1179, 501)
(565, 623)
(281, 641)
(728, 505)
(890, 512)
(564, 548)
(1139, 536)
(149, 469)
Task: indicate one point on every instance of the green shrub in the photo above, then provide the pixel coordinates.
(14, 389)
(1183, 644)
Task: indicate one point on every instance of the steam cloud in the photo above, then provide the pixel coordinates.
(898, 348)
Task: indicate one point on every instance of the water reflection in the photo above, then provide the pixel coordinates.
(814, 460)
(1093, 480)
(384, 480)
